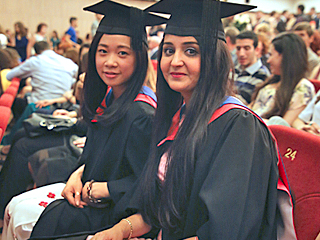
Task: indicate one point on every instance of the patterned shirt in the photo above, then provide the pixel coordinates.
(302, 95)
(246, 80)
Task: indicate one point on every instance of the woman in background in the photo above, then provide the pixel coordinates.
(287, 92)
(20, 40)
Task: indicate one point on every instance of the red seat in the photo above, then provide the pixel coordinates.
(15, 82)
(300, 153)
(6, 100)
(4, 117)
(12, 89)
(316, 84)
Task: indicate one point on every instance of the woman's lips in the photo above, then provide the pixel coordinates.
(177, 74)
(111, 74)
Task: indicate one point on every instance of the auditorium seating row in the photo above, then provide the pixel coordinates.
(6, 101)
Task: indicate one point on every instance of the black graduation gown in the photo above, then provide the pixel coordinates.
(116, 155)
(234, 192)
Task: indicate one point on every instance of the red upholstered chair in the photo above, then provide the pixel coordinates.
(6, 100)
(300, 153)
(15, 82)
(316, 84)
(12, 89)
(4, 117)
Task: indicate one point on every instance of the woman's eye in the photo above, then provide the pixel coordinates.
(168, 51)
(123, 53)
(103, 51)
(191, 51)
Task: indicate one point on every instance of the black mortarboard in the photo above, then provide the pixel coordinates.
(188, 17)
(124, 20)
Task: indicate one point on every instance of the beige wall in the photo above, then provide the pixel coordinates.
(55, 13)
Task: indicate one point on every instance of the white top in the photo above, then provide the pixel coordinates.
(312, 111)
(51, 75)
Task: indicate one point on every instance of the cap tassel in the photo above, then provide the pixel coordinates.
(209, 29)
(137, 28)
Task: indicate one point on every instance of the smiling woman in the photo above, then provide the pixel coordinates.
(193, 185)
(119, 111)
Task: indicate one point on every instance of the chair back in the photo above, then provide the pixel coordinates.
(4, 118)
(300, 152)
(316, 84)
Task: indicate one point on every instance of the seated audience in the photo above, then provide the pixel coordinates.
(286, 93)
(249, 72)
(309, 118)
(51, 76)
(304, 30)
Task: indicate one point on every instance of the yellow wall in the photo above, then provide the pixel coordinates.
(55, 13)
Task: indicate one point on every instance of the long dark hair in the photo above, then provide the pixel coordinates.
(210, 91)
(95, 89)
(294, 65)
(22, 29)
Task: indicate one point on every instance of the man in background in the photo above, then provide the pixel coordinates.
(304, 30)
(249, 72)
(71, 33)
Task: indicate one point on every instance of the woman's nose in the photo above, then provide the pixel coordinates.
(111, 61)
(177, 59)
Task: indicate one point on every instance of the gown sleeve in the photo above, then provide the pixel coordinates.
(240, 191)
(136, 154)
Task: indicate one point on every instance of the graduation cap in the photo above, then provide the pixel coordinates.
(197, 17)
(125, 20)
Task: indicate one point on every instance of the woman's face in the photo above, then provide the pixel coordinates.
(43, 30)
(115, 61)
(180, 64)
(275, 60)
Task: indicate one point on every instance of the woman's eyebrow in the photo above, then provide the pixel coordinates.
(120, 46)
(187, 43)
